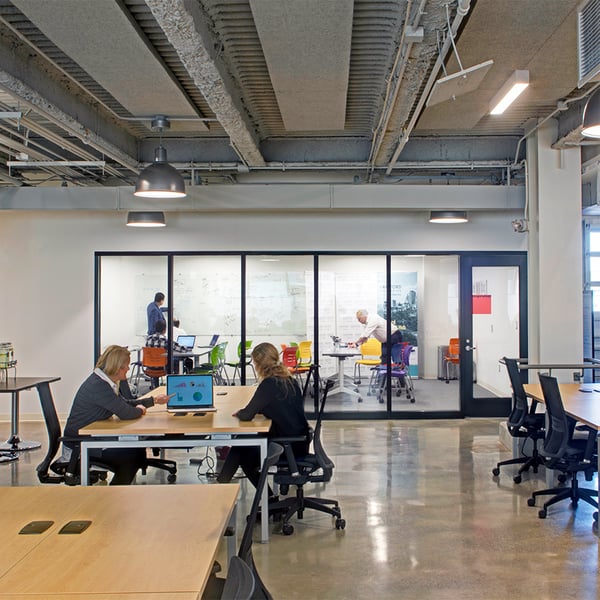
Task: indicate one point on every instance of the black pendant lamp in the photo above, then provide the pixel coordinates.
(160, 179)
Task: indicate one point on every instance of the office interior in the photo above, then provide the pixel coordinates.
(76, 278)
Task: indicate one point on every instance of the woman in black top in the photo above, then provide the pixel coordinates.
(277, 397)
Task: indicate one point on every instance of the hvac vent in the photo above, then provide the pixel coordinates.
(588, 38)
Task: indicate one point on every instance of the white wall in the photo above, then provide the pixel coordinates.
(47, 267)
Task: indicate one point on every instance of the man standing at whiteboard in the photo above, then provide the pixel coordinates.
(154, 312)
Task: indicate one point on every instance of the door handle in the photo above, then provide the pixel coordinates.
(469, 348)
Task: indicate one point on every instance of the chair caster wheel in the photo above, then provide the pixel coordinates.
(171, 478)
(542, 513)
(340, 523)
(517, 479)
(287, 529)
(562, 478)
(412, 400)
(496, 472)
(360, 399)
(530, 501)
(595, 515)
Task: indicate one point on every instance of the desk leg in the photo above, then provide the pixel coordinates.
(83, 461)
(340, 389)
(264, 522)
(14, 443)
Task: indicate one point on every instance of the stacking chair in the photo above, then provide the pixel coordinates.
(400, 372)
(216, 585)
(215, 366)
(370, 357)
(315, 467)
(522, 424)
(154, 364)
(452, 356)
(238, 366)
(564, 453)
(298, 359)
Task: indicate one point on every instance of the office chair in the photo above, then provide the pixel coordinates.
(370, 357)
(215, 586)
(60, 468)
(154, 364)
(522, 424)
(565, 453)
(400, 373)
(315, 467)
(68, 471)
(237, 366)
(452, 356)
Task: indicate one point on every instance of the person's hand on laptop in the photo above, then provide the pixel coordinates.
(162, 399)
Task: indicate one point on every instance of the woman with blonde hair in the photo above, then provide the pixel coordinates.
(277, 397)
(103, 394)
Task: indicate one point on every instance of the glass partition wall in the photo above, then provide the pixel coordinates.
(300, 300)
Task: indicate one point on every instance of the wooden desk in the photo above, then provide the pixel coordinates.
(154, 542)
(583, 406)
(12, 386)
(160, 429)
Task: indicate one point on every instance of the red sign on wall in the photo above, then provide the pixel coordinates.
(482, 304)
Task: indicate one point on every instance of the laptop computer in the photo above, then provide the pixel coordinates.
(191, 394)
(213, 342)
(189, 341)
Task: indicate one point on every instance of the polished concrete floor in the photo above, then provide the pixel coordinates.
(425, 519)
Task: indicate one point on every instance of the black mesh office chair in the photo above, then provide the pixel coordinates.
(215, 585)
(316, 467)
(523, 424)
(564, 453)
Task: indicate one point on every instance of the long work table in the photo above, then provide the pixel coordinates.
(160, 429)
(584, 406)
(153, 542)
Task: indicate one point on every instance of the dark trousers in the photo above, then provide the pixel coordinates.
(395, 338)
(246, 457)
(124, 462)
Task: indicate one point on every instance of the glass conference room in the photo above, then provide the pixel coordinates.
(289, 298)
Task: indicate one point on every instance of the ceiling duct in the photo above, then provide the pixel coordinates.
(588, 48)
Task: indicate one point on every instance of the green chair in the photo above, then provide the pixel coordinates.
(237, 366)
(215, 366)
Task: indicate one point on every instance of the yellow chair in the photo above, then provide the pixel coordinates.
(370, 357)
(303, 359)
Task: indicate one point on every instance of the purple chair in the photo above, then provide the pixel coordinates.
(400, 372)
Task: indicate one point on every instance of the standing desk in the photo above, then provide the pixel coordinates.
(160, 429)
(583, 406)
(154, 541)
(12, 386)
(342, 355)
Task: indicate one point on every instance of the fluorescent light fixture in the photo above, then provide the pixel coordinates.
(146, 219)
(591, 116)
(448, 216)
(509, 92)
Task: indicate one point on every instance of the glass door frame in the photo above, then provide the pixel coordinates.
(486, 406)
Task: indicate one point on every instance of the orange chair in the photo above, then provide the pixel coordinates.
(154, 363)
(452, 356)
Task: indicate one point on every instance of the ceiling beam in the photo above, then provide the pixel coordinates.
(182, 29)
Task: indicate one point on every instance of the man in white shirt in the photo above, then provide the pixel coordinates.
(177, 331)
(376, 326)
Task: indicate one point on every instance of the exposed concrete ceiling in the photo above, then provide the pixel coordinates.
(281, 91)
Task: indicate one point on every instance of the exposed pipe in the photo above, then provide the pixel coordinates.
(461, 11)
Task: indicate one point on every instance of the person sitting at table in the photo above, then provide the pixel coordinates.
(103, 394)
(277, 397)
(159, 340)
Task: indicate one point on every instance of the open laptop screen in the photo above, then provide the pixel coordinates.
(189, 341)
(191, 392)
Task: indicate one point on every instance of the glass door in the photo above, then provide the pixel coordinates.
(492, 324)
